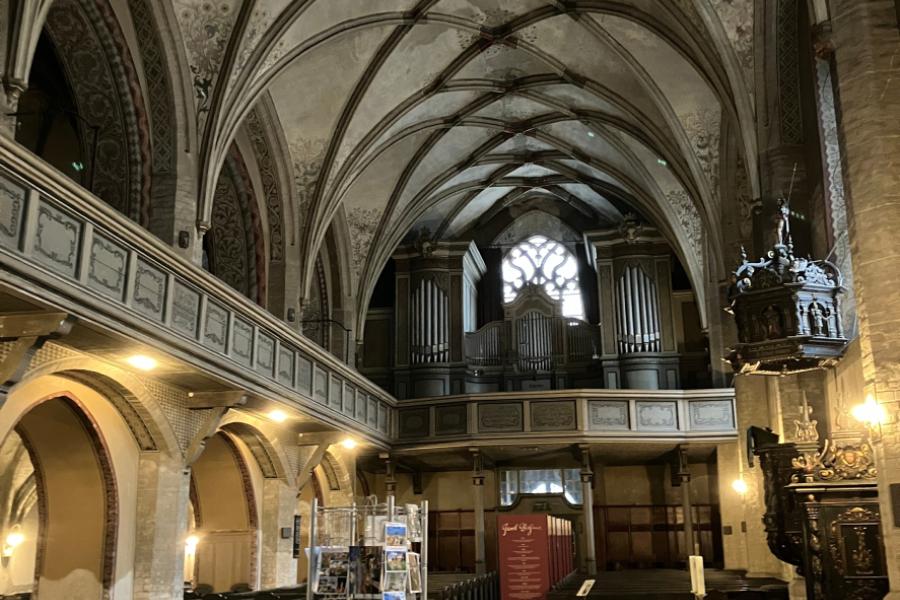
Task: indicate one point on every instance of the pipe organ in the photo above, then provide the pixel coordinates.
(429, 324)
(637, 311)
(639, 342)
(436, 293)
(536, 337)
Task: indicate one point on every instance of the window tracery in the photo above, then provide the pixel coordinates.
(539, 260)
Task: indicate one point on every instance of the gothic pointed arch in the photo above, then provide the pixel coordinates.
(234, 246)
(109, 113)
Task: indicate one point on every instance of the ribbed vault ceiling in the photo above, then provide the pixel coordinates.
(430, 115)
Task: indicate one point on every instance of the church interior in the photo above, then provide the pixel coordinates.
(293, 289)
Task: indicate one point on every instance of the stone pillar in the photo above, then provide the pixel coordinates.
(587, 506)
(478, 485)
(161, 528)
(753, 408)
(688, 510)
(278, 567)
(684, 479)
(731, 503)
(866, 50)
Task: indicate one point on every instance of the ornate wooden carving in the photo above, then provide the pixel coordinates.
(787, 309)
(822, 515)
(783, 517)
(844, 547)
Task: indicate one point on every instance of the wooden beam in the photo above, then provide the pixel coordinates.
(28, 331)
(317, 445)
(14, 326)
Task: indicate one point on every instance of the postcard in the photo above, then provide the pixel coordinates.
(415, 573)
(394, 534)
(394, 581)
(332, 569)
(395, 559)
(366, 562)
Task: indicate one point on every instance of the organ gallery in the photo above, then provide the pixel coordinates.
(399, 299)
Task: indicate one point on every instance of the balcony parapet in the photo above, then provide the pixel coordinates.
(569, 415)
(62, 246)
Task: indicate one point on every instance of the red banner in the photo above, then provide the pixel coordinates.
(524, 556)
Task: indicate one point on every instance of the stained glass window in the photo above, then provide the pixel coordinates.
(541, 261)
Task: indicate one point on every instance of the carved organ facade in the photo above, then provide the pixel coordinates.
(640, 346)
(528, 323)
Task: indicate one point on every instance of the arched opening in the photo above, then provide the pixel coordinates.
(233, 248)
(53, 546)
(223, 519)
(326, 318)
(48, 120)
(82, 111)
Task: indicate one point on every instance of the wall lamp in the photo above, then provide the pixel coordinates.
(872, 415)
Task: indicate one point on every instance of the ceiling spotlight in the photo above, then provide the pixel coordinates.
(348, 443)
(279, 416)
(662, 162)
(591, 134)
(740, 486)
(142, 362)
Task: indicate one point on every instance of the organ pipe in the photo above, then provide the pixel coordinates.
(430, 323)
(637, 314)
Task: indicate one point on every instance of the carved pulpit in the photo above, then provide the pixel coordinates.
(822, 512)
(782, 520)
(787, 310)
(837, 490)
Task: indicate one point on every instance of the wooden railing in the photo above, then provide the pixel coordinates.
(485, 587)
(582, 341)
(485, 347)
(579, 414)
(539, 343)
(63, 247)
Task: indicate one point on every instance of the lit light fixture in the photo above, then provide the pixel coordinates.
(662, 162)
(739, 486)
(13, 539)
(591, 134)
(869, 412)
(190, 544)
(279, 416)
(78, 166)
(142, 362)
(348, 443)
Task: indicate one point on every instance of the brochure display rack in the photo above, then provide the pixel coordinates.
(373, 551)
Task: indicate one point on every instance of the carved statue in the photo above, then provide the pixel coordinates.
(630, 228)
(772, 317)
(782, 224)
(817, 319)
